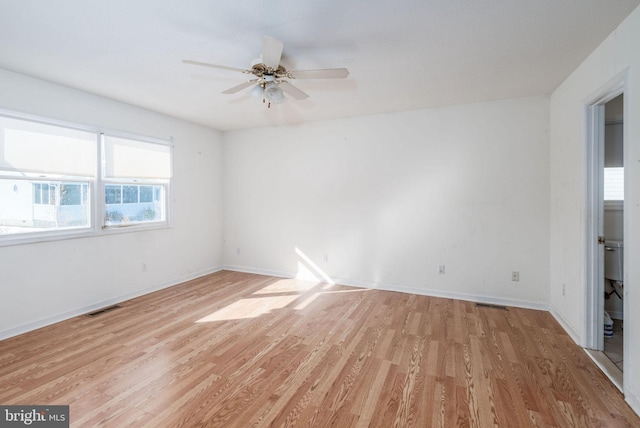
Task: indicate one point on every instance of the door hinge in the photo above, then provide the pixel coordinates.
(600, 239)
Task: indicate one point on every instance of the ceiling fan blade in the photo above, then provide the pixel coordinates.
(271, 51)
(293, 91)
(240, 87)
(327, 73)
(221, 67)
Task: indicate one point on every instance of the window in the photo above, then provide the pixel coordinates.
(146, 193)
(43, 193)
(113, 194)
(130, 194)
(614, 184)
(136, 176)
(46, 172)
(50, 174)
(126, 205)
(73, 194)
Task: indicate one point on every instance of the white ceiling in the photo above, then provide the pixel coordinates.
(402, 55)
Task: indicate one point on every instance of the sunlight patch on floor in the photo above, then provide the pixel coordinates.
(288, 286)
(263, 304)
(310, 283)
(249, 308)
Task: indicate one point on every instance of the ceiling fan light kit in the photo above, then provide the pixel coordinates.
(257, 92)
(269, 91)
(271, 77)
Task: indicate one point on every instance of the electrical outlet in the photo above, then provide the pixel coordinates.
(144, 266)
(441, 269)
(238, 250)
(564, 286)
(515, 276)
(325, 257)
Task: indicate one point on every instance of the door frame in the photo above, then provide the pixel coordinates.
(594, 210)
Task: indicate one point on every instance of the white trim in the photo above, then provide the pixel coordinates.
(268, 272)
(402, 289)
(593, 313)
(566, 325)
(24, 328)
(607, 367)
(632, 399)
(632, 396)
(447, 294)
(594, 255)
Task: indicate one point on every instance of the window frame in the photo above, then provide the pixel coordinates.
(166, 183)
(138, 225)
(96, 202)
(614, 204)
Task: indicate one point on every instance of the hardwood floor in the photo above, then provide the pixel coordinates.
(241, 350)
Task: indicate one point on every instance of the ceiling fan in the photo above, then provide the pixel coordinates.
(271, 77)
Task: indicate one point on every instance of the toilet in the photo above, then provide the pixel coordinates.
(613, 264)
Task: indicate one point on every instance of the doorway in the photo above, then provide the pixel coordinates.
(613, 226)
(609, 99)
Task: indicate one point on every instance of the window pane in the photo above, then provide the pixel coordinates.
(146, 193)
(41, 195)
(614, 184)
(70, 194)
(146, 209)
(113, 194)
(36, 193)
(85, 194)
(53, 195)
(130, 194)
(31, 207)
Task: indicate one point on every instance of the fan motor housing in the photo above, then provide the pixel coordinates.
(260, 70)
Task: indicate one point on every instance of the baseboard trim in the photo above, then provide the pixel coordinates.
(446, 294)
(402, 289)
(607, 367)
(566, 325)
(633, 400)
(267, 272)
(24, 328)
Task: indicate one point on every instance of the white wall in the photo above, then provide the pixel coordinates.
(619, 52)
(45, 282)
(389, 198)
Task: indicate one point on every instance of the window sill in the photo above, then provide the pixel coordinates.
(38, 237)
(58, 235)
(109, 230)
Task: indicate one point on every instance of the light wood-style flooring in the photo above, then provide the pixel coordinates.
(241, 350)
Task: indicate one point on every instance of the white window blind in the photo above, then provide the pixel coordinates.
(126, 158)
(33, 147)
(614, 184)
